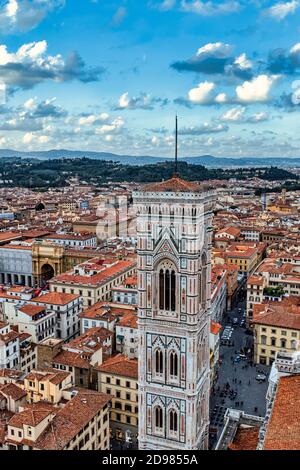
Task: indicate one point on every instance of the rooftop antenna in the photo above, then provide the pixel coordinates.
(176, 148)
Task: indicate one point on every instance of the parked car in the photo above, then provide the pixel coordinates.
(261, 378)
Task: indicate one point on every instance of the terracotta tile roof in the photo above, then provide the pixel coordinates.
(13, 391)
(32, 415)
(99, 278)
(54, 376)
(245, 439)
(120, 365)
(69, 420)
(32, 310)
(10, 373)
(56, 298)
(283, 430)
(285, 314)
(107, 310)
(8, 337)
(128, 321)
(174, 184)
(72, 359)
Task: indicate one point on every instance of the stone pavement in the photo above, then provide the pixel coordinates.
(239, 379)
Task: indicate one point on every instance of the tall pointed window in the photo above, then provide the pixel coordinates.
(158, 417)
(167, 288)
(173, 364)
(173, 421)
(161, 289)
(159, 362)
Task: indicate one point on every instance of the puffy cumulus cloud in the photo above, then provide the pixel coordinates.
(31, 65)
(30, 137)
(234, 115)
(210, 59)
(24, 15)
(210, 8)
(32, 115)
(216, 58)
(91, 119)
(45, 109)
(142, 101)
(256, 90)
(284, 61)
(237, 115)
(202, 94)
(281, 10)
(114, 127)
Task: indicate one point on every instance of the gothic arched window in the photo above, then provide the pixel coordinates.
(173, 364)
(159, 361)
(167, 288)
(173, 421)
(158, 417)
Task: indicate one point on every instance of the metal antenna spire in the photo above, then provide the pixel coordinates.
(176, 147)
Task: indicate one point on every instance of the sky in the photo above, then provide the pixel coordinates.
(110, 75)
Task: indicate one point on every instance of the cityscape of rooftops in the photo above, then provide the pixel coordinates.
(149, 228)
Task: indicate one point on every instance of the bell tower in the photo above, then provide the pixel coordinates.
(174, 235)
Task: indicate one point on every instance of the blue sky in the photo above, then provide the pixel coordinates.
(109, 75)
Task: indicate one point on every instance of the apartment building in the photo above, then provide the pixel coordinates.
(127, 335)
(104, 314)
(9, 347)
(80, 424)
(67, 308)
(118, 377)
(83, 354)
(36, 321)
(42, 385)
(276, 329)
(126, 293)
(76, 240)
(94, 279)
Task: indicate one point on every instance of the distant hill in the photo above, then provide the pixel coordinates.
(206, 160)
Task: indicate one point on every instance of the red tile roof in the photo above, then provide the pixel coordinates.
(285, 314)
(56, 298)
(120, 365)
(174, 184)
(71, 419)
(32, 310)
(245, 439)
(283, 430)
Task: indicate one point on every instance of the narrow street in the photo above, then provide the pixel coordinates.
(236, 385)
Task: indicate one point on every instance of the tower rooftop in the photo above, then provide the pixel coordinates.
(174, 184)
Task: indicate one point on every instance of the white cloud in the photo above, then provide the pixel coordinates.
(256, 90)
(242, 62)
(24, 15)
(92, 119)
(221, 98)
(114, 127)
(142, 101)
(2, 140)
(281, 10)
(234, 114)
(29, 104)
(28, 138)
(43, 139)
(31, 65)
(202, 94)
(215, 49)
(210, 8)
